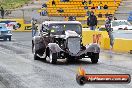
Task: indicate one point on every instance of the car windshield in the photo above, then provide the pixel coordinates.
(2, 26)
(60, 28)
(115, 23)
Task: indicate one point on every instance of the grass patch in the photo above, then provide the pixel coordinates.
(12, 4)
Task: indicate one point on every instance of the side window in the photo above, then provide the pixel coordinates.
(44, 28)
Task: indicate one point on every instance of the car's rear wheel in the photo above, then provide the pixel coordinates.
(94, 58)
(52, 57)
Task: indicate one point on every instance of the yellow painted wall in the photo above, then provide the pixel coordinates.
(100, 37)
(122, 45)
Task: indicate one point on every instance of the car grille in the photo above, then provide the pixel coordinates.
(74, 45)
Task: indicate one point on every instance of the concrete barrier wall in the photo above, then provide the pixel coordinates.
(122, 45)
(99, 37)
(88, 36)
(102, 38)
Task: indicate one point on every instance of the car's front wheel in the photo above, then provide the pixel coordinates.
(36, 57)
(34, 53)
(52, 57)
(10, 38)
(94, 58)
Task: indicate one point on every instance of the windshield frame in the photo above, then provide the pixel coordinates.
(3, 26)
(79, 32)
(119, 23)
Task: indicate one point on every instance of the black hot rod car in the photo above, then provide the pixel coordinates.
(60, 40)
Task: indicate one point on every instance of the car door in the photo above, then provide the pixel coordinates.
(45, 35)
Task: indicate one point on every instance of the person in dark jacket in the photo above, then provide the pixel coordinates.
(2, 12)
(92, 21)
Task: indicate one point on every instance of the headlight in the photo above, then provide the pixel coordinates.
(9, 31)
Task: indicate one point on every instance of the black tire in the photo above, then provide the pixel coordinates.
(10, 38)
(5, 39)
(34, 53)
(44, 59)
(52, 57)
(94, 58)
(36, 57)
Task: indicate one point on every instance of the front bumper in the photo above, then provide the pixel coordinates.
(3, 35)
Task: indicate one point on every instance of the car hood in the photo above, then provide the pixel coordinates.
(68, 34)
(122, 27)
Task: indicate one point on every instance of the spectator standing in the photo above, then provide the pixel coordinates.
(100, 15)
(99, 6)
(86, 7)
(60, 10)
(2, 12)
(34, 27)
(106, 15)
(72, 18)
(90, 2)
(53, 3)
(105, 7)
(109, 30)
(84, 2)
(66, 0)
(93, 7)
(92, 21)
(115, 18)
(44, 13)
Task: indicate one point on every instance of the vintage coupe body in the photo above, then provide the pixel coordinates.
(60, 40)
